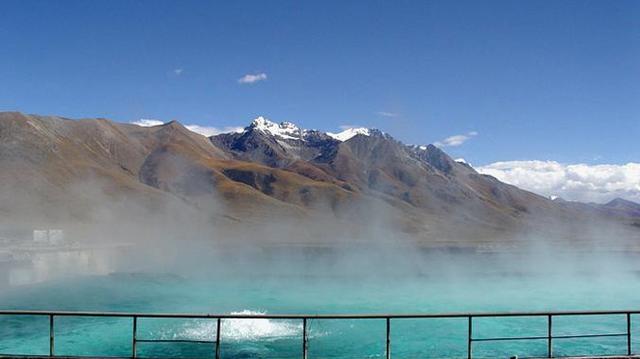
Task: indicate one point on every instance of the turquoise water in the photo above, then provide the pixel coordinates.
(218, 290)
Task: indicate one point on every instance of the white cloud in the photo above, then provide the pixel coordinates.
(252, 78)
(203, 130)
(574, 182)
(456, 140)
(387, 114)
(212, 131)
(146, 122)
(178, 72)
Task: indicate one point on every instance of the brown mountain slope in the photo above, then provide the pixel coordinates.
(59, 169)
(54, 170)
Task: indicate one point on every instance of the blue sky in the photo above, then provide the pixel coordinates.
(535, 80)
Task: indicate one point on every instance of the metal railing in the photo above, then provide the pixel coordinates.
(388, 318)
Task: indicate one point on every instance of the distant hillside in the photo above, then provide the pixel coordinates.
(55, 170)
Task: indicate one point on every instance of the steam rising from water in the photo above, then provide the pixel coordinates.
(195, 240)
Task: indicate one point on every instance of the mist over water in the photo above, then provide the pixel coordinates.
(213, 290)
(127, 258)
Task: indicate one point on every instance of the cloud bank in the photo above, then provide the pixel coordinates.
(207, 131)
(212, 131)
(146, 122)
(252, 78)
(574, 182)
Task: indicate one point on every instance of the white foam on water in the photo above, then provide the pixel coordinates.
(250, 329)
(238, 329)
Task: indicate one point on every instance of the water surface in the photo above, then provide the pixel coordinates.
(232, 290)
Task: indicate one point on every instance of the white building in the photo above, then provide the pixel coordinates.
(50, 236)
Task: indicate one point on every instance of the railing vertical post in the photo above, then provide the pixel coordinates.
(628, 333)
(549, 336)
(51, 336)
(218, 338)
(134, 337)
(388, 338)
(304, 338)
(469, 337)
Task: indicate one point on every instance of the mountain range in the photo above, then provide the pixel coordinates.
(55, 170)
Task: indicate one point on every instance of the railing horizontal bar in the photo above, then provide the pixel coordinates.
(589, 336)
(545, 337)
(29, 356)
(313, 316)
(175, 341)
(507, 338)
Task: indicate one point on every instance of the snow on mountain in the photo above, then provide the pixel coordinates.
(349, 133)
(289, 131)
(285, 130)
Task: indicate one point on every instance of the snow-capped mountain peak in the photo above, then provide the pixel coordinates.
(349, 133)
(290, 131)
(286, 130)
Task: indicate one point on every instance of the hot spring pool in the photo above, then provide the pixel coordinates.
(209, 293)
